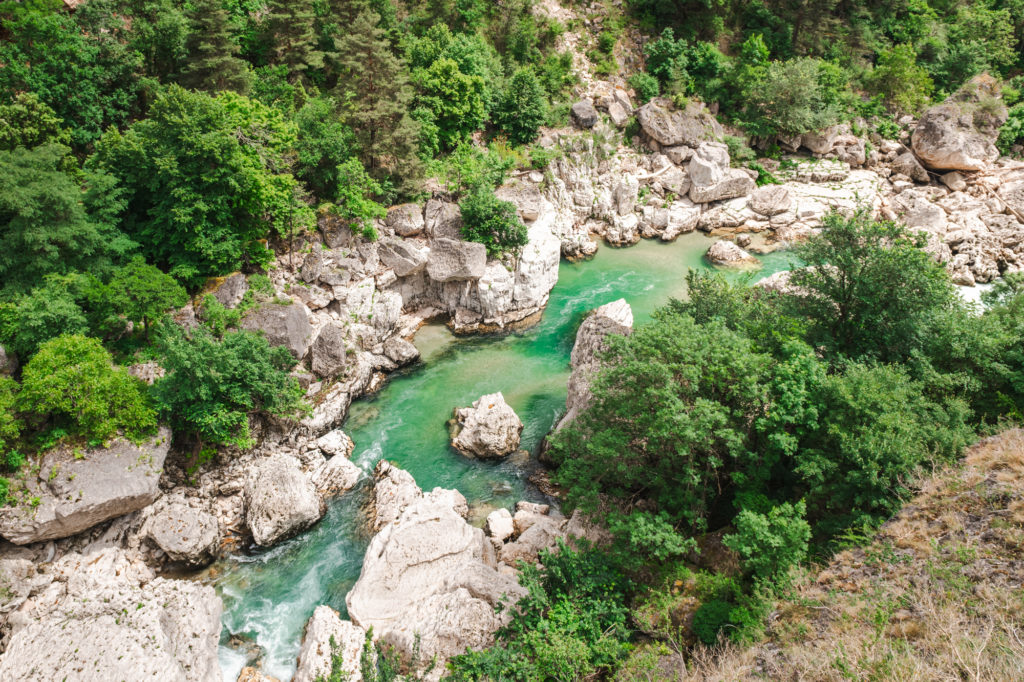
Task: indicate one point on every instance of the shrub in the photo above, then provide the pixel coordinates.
(73, 381)
(492, 222)
(666, 60)
(47, 311)
(710, 618)
(770, 544)
(1012, 132)
(645, 85)
(144, 294)
(355, 204)
(522, 108)
(213, 385)
(905, 86)
(10, 423)
(788, 98)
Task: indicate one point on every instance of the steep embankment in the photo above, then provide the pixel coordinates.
(935, 594)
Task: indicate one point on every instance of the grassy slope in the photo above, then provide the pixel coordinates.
(935, 595)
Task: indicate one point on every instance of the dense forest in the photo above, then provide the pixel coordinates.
(147, 146)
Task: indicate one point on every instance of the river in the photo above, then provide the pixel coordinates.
(269, 596)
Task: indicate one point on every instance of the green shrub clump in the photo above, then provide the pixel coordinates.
(492, 222)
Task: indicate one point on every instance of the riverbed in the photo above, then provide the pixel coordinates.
(269, 596)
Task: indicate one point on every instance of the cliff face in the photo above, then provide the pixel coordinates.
(934, 595)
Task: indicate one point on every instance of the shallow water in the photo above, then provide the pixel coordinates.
(269, 596)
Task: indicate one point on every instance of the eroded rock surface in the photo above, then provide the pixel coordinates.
(283, 325)
(280, 500)
(958, 134)
(77, 492)
(490, 428)
(316, 653)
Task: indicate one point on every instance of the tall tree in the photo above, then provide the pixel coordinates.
(290, 29)
(375, 94)
(212, 64)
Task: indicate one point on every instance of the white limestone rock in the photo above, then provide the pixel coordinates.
(316, 653)
(280, 500)
(488, 429)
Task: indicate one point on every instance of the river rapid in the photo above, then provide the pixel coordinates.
(269, 596)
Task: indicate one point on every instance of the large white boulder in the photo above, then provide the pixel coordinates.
(711, 177)
(280, 500)
(490, 428)
(429, 575)
(615, 318)
(456, 260)
(186, 533)
(283, 325)
(316, 653)
(728, 254)
(105, 617)
(956, 134)
(77, 492)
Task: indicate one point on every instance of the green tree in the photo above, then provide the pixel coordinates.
(213, 385)
(355, 192)
(212, 64)
(290, 29)
(10, 423)
(50, 310)
(898, 78)
(73, 382)
(669, 420)
(666, 60)
(45, 221)
(870, 288)
(522, 108)
(144, 294)
(456, 101)
(374, 93)
(770, 544)
(492, 222)
(28, 122)
(206, 180)
(324, 143)
(788, 98)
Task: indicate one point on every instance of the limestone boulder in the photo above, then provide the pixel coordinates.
(499, 525)
(405, 257)
(612, 318)
(186, 533)
(316, 653)
(312, 266)
(711, 178)
(280, 500)
(283, 325)
(443, 219)
(907, 164)
(8, 361)
(335, 443)
(329, 354)
(490, 428)
(430, 576)
(669, 127)
(618, 114)
(770, 200)
(406, 219)
(960, 133)
(230, 292)
(77, 492)
(336, 476)
(584, 114)
(105, 617)
(400, 351)
(728, 254)
(453, 260)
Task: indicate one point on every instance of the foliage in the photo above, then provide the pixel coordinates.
(143, 294)
(354, 189)
(769, 545)
(28, 122)
(456, 101)
(1012, 132)
(323, 145)
(871, 288)
(710, 619)
(522, 108)
(904, 84)
(51, 309)
(212, 64)
(10, 423)
(492, 222)
(73, 381)
(789, 98)
(571, 625)
(206, 180)
(666, 60)
(645, 85)
(470, 168)
(45, 221)
(213, 385)
(645, 538)
(290, 32)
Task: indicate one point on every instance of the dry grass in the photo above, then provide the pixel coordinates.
(936, 595)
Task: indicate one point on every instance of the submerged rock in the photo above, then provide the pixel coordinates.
(105, 617)
(612, 318)
(490, 428)
(428, 574)
(728, 254)
(77, 492)
(280, 500)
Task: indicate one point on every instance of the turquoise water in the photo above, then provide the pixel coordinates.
(269, 596)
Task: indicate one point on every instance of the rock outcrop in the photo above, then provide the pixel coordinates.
(77, 492)
(103, 616)
(728, 254)
(668, 127)
(280, 500)
(711, 177)
(186, 533)
(611, 318)
(283, 325)
(453, 260)
(316, 653)
(428, 573)
(584, 114)
(490, 428)
(960, 133)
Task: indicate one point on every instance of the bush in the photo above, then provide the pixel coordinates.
(1012, 132)
(788, 98)
(73, 382)
(10, 423)
(666, 60)
(355, 203)
(710, 618)
(212, 386)
(771, 544)
(645, 85)
(47, 311)
(488, 220)
(522, 108)
(903, 84)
